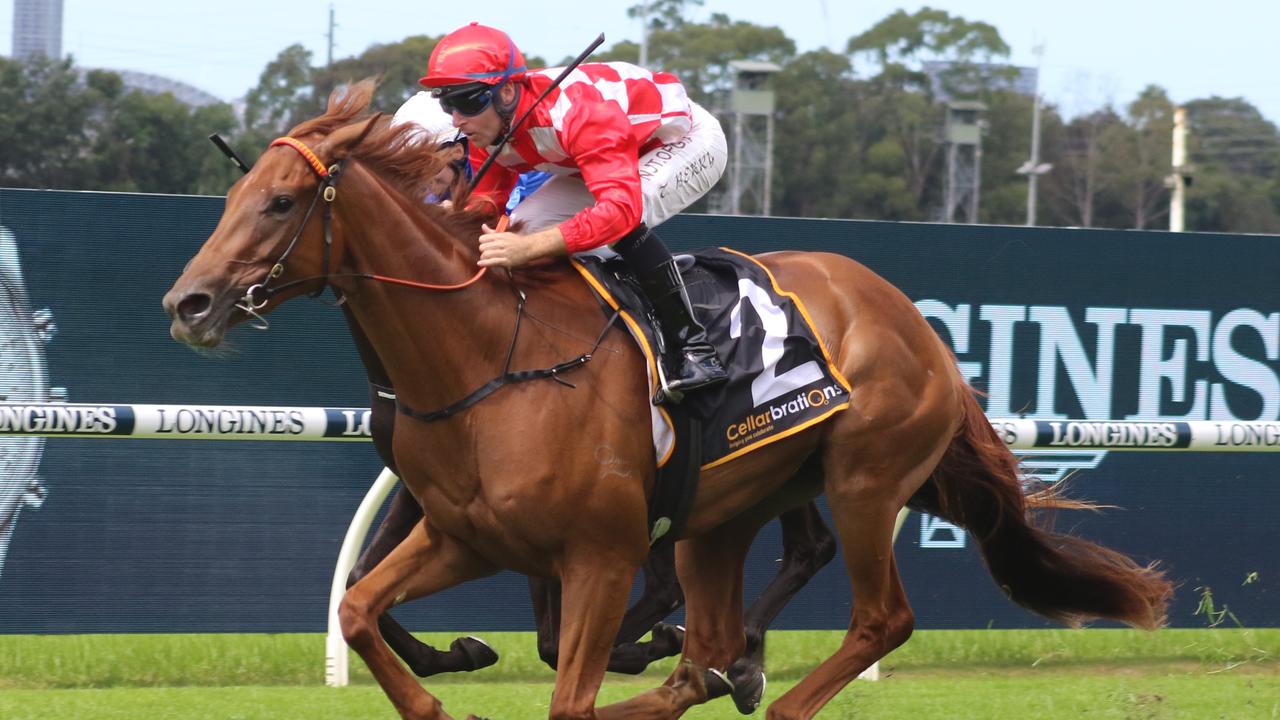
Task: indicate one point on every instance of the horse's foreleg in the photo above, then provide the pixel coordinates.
(807, 546)
(593, 597)
(662, 596)
(425, 562)
(466, 653)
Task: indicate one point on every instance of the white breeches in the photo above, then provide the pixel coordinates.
(672, 178)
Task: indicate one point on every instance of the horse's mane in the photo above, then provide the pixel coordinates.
(399, 154)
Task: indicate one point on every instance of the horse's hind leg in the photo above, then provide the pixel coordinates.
(864, 504)
(466, 653)
(425, 562)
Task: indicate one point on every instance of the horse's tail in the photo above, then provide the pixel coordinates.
(977, 485)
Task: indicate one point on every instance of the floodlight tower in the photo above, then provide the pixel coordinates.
(963, 134)
(751, 105)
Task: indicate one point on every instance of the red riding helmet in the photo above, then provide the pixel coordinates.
(474, 53)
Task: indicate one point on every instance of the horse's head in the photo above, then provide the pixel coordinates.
(274, 240)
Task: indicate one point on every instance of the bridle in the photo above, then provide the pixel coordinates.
(259, 294)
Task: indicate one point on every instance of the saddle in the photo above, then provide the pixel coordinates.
(781, 380)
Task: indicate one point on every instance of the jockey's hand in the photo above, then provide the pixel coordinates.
(509, 250)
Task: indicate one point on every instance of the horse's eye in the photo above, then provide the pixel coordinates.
(281, 204)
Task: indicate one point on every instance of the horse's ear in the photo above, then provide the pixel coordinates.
(343, 141)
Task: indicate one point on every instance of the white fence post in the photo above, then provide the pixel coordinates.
(335, 648)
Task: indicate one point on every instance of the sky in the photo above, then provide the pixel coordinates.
(1095, 51)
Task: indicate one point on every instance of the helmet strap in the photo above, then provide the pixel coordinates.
(506, 110)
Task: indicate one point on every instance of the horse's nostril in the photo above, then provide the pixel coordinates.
(194, 305)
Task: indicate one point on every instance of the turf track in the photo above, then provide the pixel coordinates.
(1096, 673)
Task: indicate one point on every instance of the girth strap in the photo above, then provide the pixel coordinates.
(509, 377)
(490, 387)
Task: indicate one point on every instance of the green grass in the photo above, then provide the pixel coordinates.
(1047, 695)
(1218, 673)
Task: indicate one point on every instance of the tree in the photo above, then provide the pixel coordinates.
(903, 101)
(664, 14)
(155, 143)
(283, 97)
(1077, 180)
(700, 53)
(397, 66)
(825, 160)
(1006, 145)
(1232, 134)
(900, 44)
(1140, 159)
(1237, 157)
(68, 129)
(46, 122)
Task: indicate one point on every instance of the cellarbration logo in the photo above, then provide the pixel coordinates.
(760, 423)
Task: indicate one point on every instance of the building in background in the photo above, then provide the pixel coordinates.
(37, 29)
(159, 85)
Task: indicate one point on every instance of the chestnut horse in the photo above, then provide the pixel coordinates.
(807, 546)
(550, 477)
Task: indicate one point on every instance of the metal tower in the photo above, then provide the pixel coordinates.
(963, 133)
(751, 106)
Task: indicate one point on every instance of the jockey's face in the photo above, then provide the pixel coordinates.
(485, 127)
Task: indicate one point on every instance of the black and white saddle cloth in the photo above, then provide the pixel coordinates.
(781, 380)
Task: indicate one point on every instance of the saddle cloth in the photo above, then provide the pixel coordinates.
(781, 380)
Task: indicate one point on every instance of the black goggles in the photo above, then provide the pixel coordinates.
(467, 100)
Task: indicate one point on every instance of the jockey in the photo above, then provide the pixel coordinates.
(626, 148)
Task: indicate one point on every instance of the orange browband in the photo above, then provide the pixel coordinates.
(305, 152)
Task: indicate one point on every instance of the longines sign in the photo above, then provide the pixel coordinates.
(1208, 367)
(200, 422)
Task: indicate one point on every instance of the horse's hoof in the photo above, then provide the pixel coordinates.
(748, 687)
(718, 684)
(671, 636)
(476, 650)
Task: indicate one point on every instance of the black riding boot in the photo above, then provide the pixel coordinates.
(689, 359)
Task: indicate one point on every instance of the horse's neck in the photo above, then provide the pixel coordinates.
(453, 340)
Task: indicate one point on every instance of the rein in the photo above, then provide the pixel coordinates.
(259, 294)
(327, 189)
